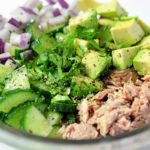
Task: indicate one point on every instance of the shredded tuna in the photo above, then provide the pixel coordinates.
(79, 132)
(123, 106)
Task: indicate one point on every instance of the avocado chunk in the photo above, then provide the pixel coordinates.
(105, 22)
(111, 9)
(95, 63)
(145, 43)
(44, 44)
(144, 26)
(123, 58)
(141, 62)
(127, 32)
(5, 70)
(82, 46)
(88, 19)
(34, 30)
(83, 82)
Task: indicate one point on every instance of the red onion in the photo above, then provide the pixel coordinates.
(28, 53)
(51, 2)
(32, 3)
(25, 39)
(15, 22)
(63, 4)
(4, 57)
(2, 46)
(28, 10)
(56, 12)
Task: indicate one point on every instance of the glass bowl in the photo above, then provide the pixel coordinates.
(135, 140)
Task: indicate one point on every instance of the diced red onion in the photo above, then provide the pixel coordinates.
(28, 10)
(10, 63)
(2, 46)
(63, 4)
(28, 53)
(15, 22)
(56, 12)
(57, 20)
(51, 2)
(4, 57)
(15, 39)
(4, 34)
(25, 39)
(2, 22)
(7, 47)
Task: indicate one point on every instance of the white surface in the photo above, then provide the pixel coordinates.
(139, 8)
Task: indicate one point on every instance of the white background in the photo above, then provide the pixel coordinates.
(134, 7)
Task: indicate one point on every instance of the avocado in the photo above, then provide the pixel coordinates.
(34, 30)
(127, 32)
(141, 62)
(5, 70)
(111, 9)
(144, 26)
(123, 58)
(95, 63)
(145, 43)
(83, 82)
(88, 19)
(105, 22)
(82, 46)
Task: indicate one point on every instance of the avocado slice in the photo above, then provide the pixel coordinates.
(83, 82)
(144, 26)
(145, 43)
(95, 63)
(105, 22)
(127, 32)
(111, 9)
(123, 58)
(82, 46)
(88, 19)
(141, 62)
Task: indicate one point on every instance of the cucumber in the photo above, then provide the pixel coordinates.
(16, 97)
(34, 30)
(41, 87)
(55, 132)
(61, 99)
(44, 44)
(70, 118)
(63, 107)
(14, 117)
(19, 79)
(54, 118)
(5, 70)
(35, 123)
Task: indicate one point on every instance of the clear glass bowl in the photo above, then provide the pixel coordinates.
(135, 140)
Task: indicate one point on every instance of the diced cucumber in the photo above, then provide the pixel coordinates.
(19, 79)
(55, 132)
(34, 30)
(44, 44)
(5, 70)
(63, 107)
(41, 87)
(61, 99)
(54, 118)
(35, 123)
(16, 97)
(14, 117)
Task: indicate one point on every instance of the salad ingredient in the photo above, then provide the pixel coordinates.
(145, 43)
(105, 22)
(127, 32)
(88, 20)
(145, 27)
(35, 123)
(141, 62)
(15, 98)
(4, 57)
(123, 58)
(111, 9)
(5, 69)
(95, 64)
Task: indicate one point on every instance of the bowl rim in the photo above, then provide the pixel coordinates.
(21, 134)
